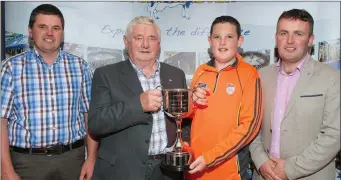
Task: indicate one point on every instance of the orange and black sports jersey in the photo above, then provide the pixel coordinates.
(222, 130)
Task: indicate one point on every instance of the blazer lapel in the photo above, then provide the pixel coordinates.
(301, 84)
(272, 93)
(129, 78)
(166, 81)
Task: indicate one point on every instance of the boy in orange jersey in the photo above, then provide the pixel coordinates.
(227, 113)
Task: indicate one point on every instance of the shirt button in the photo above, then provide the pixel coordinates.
(54, 128)
(147, 141)
(53, 111)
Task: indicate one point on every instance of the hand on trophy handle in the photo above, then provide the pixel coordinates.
(200, 95)
(151, 100)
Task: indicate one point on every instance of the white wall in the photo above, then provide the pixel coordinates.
(86, 20)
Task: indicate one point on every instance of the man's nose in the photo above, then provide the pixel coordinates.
(145, 43)
(290, 39)
(49, 31)
(223, 41)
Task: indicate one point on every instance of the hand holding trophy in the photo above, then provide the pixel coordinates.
(176, 102)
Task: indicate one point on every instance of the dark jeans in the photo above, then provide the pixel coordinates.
(155, 172)
(66, 166)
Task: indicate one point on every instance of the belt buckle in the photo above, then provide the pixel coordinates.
(52, 150)
(59, 148)
(47, 151)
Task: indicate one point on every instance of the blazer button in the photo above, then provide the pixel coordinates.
(147, 141)
(144, 163)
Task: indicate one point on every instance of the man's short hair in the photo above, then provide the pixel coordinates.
(46, 9)
(227, 19)
(142, 20)
(299, 14)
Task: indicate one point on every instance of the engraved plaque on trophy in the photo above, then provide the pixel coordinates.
(176, 104)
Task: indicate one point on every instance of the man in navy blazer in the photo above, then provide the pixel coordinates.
(125, 109)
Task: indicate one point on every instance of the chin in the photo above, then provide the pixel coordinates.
(224, 59)
(146, 59)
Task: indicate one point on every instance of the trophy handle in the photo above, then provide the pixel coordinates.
(190, 160)
(159, 87)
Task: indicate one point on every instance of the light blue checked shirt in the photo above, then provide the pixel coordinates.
(158, 139)
(44, 104)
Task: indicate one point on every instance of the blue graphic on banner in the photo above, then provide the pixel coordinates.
(15, 43)
(155, 8)
(15, 40)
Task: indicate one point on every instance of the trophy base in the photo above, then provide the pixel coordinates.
(176, 161)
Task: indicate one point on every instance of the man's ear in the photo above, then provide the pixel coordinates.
(125, 40)
(209, 40)
(240, 41)
(311, 40)
(29, 32)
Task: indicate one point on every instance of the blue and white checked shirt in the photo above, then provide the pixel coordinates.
(158, 139)
(44, 104)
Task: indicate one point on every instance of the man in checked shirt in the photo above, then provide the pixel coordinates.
(44, 104)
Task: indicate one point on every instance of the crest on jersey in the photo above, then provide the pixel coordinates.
(230, 88)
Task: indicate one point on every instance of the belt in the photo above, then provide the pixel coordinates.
(51, 150)
(156, 157)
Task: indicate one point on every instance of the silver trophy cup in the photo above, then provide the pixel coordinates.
(176, 104)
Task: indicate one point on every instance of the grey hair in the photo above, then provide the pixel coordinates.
(142, 20)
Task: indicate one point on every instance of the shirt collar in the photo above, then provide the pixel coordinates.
(140, 71)
(298, 67)
(41, 59)
(234, 64)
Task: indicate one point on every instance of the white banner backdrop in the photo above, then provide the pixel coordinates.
(94, 30)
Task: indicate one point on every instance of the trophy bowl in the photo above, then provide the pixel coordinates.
(176, 102)
(175, 105)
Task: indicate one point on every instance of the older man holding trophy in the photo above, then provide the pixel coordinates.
(127, 115)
